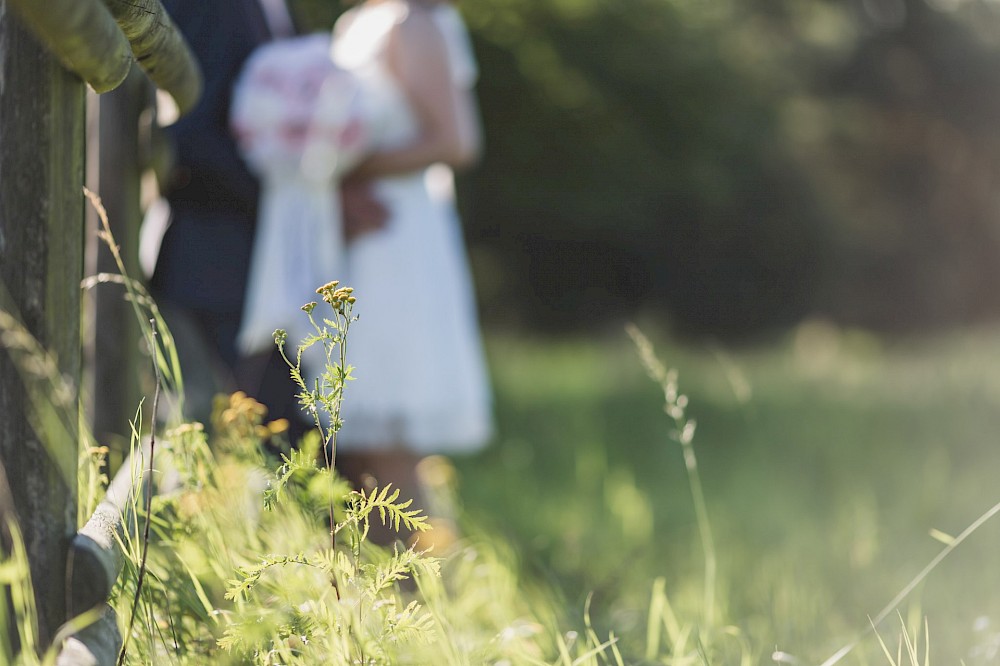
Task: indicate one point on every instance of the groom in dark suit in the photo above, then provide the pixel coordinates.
(204, 255)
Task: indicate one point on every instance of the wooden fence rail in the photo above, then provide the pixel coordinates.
(159, 49)
(98, 41)
(95, 561)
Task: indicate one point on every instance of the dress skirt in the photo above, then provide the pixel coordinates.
(420, 374)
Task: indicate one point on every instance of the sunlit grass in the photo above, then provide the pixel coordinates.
(832, 468)
(827, 460)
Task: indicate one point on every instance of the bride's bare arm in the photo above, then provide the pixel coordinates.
(448, 116)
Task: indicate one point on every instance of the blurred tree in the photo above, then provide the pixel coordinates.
(315, 15)
(738, 164)
(914, 174)
(633, 159)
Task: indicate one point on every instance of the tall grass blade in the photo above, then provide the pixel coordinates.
(657, 603)
(919, 578)
(149, 501)
(165, 352)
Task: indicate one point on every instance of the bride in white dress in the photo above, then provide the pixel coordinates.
(421, 384)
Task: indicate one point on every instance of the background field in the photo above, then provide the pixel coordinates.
(826, 459)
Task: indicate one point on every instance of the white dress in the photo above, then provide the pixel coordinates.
(421, 379)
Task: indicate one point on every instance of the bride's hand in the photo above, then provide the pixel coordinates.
(363, 212)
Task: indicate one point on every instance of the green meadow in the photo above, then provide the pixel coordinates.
(821, 507)
(835, 467)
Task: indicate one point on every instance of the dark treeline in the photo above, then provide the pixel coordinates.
(737, 165)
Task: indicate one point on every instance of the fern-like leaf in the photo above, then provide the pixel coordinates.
(391, 512)
(412, 624)
(396, 568)
(297, 461)
(249, 576)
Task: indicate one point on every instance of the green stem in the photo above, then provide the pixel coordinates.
(149, 499)
(704, 529)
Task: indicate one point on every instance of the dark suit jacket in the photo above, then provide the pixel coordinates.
(205, 253)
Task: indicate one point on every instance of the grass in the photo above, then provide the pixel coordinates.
(834, 468)
(826, 461)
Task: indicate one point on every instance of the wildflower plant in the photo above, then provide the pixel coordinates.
(353, 610)
(322, 397)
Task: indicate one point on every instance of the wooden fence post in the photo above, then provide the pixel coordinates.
(41, 256)
(111, 333)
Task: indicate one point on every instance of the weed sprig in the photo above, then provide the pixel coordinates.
(675, 406)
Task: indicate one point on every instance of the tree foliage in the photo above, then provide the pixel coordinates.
(736, 165)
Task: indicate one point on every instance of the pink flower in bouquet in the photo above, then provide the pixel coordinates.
(294, 110)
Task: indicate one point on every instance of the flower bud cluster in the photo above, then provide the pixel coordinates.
(335, 295)
(240, 416)
(241, 408)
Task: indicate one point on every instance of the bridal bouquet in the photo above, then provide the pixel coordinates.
(299, 121)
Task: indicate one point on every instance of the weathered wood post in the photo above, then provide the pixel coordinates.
(42, 139)
(41, 264)
(111, 333)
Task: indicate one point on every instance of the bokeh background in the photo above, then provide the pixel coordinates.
(798, 200)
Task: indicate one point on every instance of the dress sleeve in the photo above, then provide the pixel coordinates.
(464, 70)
